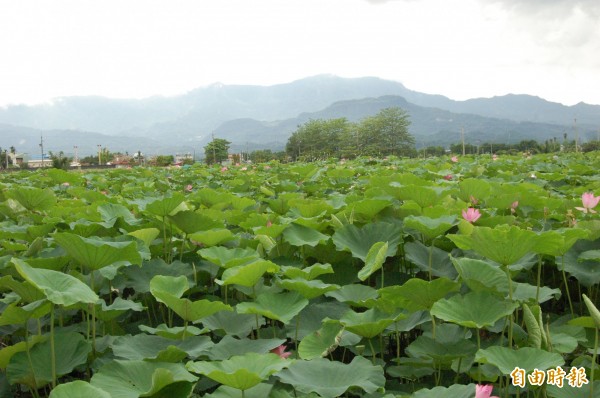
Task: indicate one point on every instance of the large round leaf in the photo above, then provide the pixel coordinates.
(526, 358)
(133, 379)
(322, 342)
(229, 347)
(71, 350)
(299, 235)
(331, 379)
(474, 310)
(227, 258)
(96, 253)
(279, 306)
(430, 227)
(156, 348)
(33, 198)
(190, 310)
(360, 240)
(78, 389)
(418, 294)
(374, 260)
(503, 244)
(242, 371)
(59, 288)
(367, 324)
(308, 289)
(248, 274)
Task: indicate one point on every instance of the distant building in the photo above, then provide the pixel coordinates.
(16, 159)
(36, 161)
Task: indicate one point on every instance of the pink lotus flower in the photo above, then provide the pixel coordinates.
(223, 169)
(244, 168)
(494, 157)
(473, 200)
(454, 159)
(471, 215)
(66, 184)
(513, 206)
(267, 167)
(281, 352)
(589, 202)
(189, 187)
(484, 391)
(269, 223)
(448, 177)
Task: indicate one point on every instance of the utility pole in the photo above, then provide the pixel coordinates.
(462, 136)
(42, 148)
(76, 159)
(99, 154)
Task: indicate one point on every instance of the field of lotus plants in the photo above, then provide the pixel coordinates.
(443, 277)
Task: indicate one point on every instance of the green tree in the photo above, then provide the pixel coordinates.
(386, 133)
(164, 160)
(59, 160)
(216, 151)
(317, 139)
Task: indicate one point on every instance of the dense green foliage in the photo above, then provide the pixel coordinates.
(216, 151)
(383, 134)
(351, 278)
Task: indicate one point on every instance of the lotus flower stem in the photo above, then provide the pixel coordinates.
(372, 351)
(564, 275)
(539, 277)
(52, 350)
(510, 317)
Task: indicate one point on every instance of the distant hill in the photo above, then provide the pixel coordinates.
(259, 116)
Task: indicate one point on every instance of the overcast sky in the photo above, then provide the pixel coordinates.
(458, 48)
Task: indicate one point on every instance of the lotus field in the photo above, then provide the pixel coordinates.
(444, 277)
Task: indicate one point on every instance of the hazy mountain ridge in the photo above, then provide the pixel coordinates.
(257, 116)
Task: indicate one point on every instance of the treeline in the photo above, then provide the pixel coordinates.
(383, 134)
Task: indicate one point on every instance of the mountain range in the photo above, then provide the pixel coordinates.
(254, 117)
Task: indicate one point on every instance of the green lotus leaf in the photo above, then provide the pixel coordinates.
(423, 196)
(558, 242)
(6, 353)
(33, 198)
(566, 391)
(369, 323)
(366, 209)
(503, 244)
(526, 358)
(173, 333)
(146, 235)
(307, 273)
(230, 346)
(192, 221)
(212, 237)
(360, 240)
(374, 260)
(430, 227)
(308, 289)
(139, 278)
(110, 214)
(167, 205)
(260, 390)
(232, 323)
(331, 379)
(28, 292)
(356, 295)
(473, 310)
(188, 310)
(241, 372)
(439, 350)
(480, 275)
(279, 306)
(78, 389)
(418, 293)
(454, 391)
(156, 348)
(59, 288)
(17, 315)
(587, 272)
(129, 379)
(309, 208)
(474, 188)
(174, 285)
(95, 253)
(227, 258)
(299, 235)
(71, 350)
(320, 343)
(247, 275)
